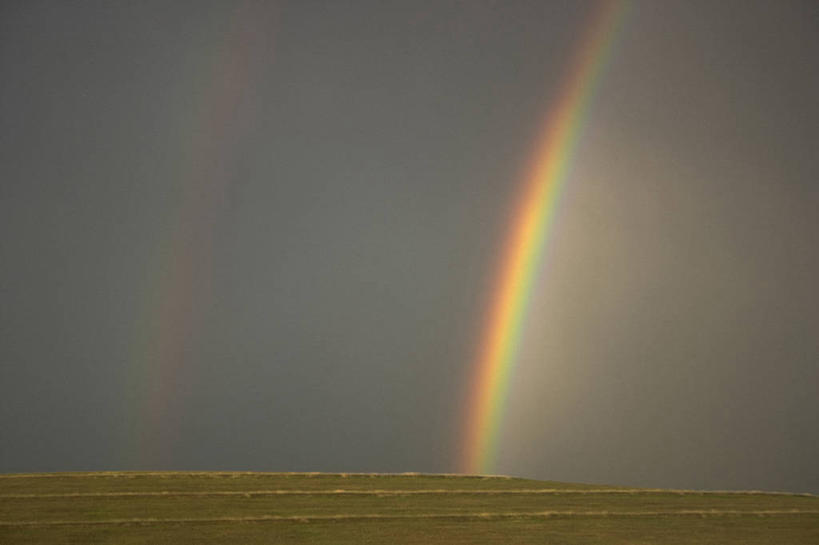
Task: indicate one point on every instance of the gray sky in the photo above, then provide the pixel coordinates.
(263, 236)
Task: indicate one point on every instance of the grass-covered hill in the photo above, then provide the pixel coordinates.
(217, 507)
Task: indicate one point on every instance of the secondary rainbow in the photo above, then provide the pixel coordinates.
(177, 293)
(529, 231)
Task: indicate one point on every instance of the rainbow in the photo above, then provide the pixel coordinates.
(529, 231)
(174, 314)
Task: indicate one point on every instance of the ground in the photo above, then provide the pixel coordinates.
(270, 508)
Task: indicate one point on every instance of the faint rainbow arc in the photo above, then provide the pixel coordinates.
(529, 231)
(178, 288)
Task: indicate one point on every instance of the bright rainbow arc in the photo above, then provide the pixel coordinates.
(529, 231)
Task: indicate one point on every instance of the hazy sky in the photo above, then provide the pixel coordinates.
(263, 236)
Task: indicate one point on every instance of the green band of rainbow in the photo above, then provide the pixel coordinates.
(528, 233)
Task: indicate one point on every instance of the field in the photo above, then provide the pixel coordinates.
(216, 507)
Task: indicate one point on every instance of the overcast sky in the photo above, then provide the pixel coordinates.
(263, 236)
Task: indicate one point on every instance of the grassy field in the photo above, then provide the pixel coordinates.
(187, 507)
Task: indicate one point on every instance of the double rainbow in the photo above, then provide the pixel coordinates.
(528, 234)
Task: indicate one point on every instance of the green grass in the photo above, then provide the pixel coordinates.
(183, 508)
